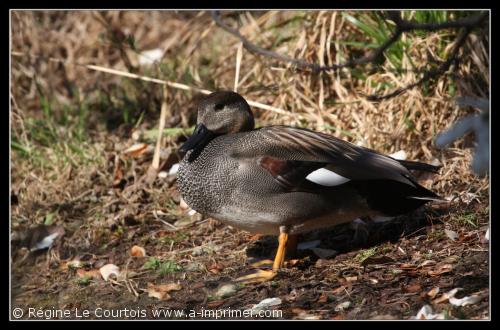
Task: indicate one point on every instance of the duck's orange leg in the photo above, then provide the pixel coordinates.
(266, 275)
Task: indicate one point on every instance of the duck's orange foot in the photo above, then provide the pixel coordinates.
(266, 263)
(259, 276)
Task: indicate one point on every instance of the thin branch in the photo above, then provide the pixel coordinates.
(259, 50)
(467, 23)
(395, 16)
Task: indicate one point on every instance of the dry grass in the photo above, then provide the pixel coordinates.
(196, 51)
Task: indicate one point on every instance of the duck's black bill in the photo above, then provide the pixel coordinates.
(196, 142)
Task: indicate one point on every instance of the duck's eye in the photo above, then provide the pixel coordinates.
(219, 107)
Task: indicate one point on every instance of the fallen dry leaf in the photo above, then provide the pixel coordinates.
(323, 298)
(451, 234)
(215, 268)
(93, 273)
(108, 270)
(340, 289)
(170, 287)
(427, 263)
(303, 314)
(407, 266)
(198, 285)
(136, 150)
(297, 310)
(215, 303)
(433, 292)
(413, 288)
(446, 268)
(137, 251)
(153, 293)
(160, 291)
(351, 278)
(445, 296)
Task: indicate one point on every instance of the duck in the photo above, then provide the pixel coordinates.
(285, 181)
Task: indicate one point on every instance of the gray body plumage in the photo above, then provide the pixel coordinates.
(279, 176)
(223, 184)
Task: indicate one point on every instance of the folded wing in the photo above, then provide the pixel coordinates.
(293, 155)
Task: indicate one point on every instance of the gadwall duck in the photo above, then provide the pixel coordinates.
(282, 180)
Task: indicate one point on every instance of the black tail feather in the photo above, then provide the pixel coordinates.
(411, 165)
(393, 198)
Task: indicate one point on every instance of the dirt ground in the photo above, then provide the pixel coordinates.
(75, 176)
(386, 270)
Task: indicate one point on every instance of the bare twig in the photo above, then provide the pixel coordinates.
(163, 117)
(401, 26)
(467, 23)
(259, 50)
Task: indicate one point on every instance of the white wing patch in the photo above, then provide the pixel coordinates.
(326, 177)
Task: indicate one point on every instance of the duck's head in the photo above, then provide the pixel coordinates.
(219, 113)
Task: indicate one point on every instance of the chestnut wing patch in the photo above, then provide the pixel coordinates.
(289, 174)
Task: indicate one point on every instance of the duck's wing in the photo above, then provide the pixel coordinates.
(295, 156)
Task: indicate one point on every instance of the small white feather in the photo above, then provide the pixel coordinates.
(148, 57)
(399, 155)
(174, 169)
(326, 177)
